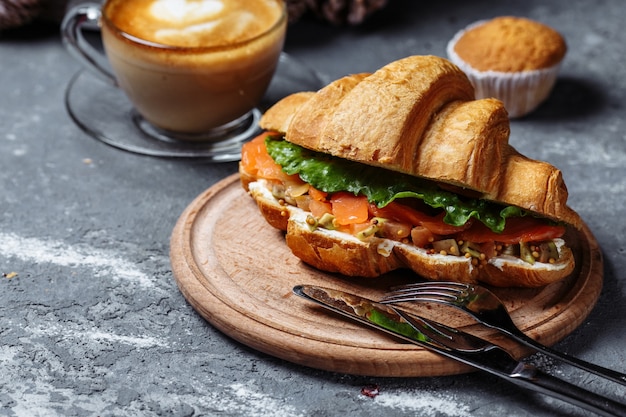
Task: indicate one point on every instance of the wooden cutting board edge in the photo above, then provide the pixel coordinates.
(401, 360)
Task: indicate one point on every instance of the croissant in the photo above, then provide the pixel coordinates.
(414, 121)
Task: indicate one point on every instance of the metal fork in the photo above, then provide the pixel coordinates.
(454, 344)
(491, 358)
(486, 308)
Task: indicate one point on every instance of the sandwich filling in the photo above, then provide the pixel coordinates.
(367, 201)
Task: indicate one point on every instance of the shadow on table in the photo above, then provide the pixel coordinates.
(605, 319)
(571, 98)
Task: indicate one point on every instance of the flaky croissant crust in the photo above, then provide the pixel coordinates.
(418, 116)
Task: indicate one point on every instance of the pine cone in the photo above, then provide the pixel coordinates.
(295, 9)
(339, 12)
(15, 13)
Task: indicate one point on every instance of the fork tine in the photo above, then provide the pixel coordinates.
(443, 285)
(448, 337)
(433, 296)
(427, 291)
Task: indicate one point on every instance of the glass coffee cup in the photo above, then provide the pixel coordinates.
(193, 70)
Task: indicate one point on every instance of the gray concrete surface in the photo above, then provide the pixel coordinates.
(93, 323)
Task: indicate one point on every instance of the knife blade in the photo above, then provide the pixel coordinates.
(458, 345)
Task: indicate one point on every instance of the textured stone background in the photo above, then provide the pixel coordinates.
(94, 325)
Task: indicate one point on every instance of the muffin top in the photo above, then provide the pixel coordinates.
(510, 44)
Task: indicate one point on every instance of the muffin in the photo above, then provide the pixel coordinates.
(513, 59)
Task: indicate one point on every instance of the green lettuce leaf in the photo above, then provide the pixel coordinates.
(381, 186)
(378, 317)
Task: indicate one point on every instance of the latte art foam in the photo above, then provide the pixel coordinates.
(193, 23)
(185, 12)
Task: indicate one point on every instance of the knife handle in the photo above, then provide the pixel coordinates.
(532, 378)
(601, 371)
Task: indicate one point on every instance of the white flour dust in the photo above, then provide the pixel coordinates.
(424, 403)
(80, 333)
(49, 251)
(243, 399)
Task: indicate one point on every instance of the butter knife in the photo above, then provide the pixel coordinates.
(455, 344)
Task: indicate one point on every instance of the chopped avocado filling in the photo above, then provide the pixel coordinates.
(331, 174)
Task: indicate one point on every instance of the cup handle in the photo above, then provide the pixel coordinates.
(85, 16)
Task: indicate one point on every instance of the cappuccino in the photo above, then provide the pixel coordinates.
(193, 65)
(194, 23)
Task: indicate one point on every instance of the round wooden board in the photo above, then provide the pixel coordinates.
(237, 272)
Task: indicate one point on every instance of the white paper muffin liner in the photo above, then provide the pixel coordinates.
(521, 92)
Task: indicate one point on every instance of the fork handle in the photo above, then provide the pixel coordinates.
(609, 374)
(532, 378)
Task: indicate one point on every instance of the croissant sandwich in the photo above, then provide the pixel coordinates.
(403, 168)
